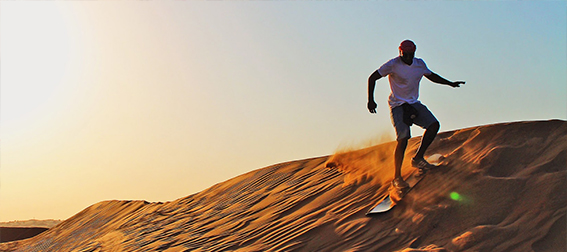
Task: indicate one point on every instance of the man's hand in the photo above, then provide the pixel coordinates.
(440, 80)
(457, 83)
(371, 85)
(372, 106)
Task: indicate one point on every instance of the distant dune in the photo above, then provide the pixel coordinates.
(31, 223)
(510, 177)
(19, 230)
(19, 233)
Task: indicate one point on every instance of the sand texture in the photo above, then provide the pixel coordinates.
(19, 233)
(507, 182)
(31, 223)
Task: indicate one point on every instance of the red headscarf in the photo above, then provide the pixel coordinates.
(407, 46)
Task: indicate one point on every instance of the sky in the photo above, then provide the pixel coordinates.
(158, 100)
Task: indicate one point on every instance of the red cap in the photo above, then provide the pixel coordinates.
(407, 46)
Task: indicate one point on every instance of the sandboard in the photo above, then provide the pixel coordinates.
(386, 203)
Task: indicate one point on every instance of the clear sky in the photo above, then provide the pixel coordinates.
(158, 100)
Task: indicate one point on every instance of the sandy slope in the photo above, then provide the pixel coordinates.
(19, 233)
(31, 223)
(511, 179)
(18, 230)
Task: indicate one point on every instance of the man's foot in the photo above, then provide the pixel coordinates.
(421, 164)
(398, 190)
(400, 184)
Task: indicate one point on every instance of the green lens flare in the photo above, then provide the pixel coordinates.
(455, 196)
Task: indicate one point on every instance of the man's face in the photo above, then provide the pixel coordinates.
(407, 57)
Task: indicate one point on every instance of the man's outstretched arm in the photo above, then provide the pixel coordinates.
(371, 85)
(440, 80)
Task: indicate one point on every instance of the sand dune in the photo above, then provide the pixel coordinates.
(510, 180)
(18, 233)
(31, 223)
(19, 230)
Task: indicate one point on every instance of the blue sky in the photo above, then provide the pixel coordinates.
(159, 100)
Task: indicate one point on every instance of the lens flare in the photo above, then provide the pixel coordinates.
(455, 196)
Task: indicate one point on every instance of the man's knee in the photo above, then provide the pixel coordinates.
(403, 141)
(434, 126)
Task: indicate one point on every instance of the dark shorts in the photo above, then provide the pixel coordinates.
(424, 119)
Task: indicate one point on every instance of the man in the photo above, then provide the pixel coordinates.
(404, 74)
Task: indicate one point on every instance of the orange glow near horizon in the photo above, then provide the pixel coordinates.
(155, 101)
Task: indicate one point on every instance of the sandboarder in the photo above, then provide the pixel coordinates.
(404, 74)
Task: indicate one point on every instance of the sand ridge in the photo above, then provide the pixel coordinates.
(510, 180)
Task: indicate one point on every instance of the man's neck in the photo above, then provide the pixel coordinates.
(407, 61)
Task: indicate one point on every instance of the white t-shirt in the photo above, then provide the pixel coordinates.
(404, 80)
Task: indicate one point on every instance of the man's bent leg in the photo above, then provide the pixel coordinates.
(427, 139)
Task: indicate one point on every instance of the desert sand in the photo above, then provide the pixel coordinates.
(31, 223)
(501, 187)
(19, 230)
(18, 233)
